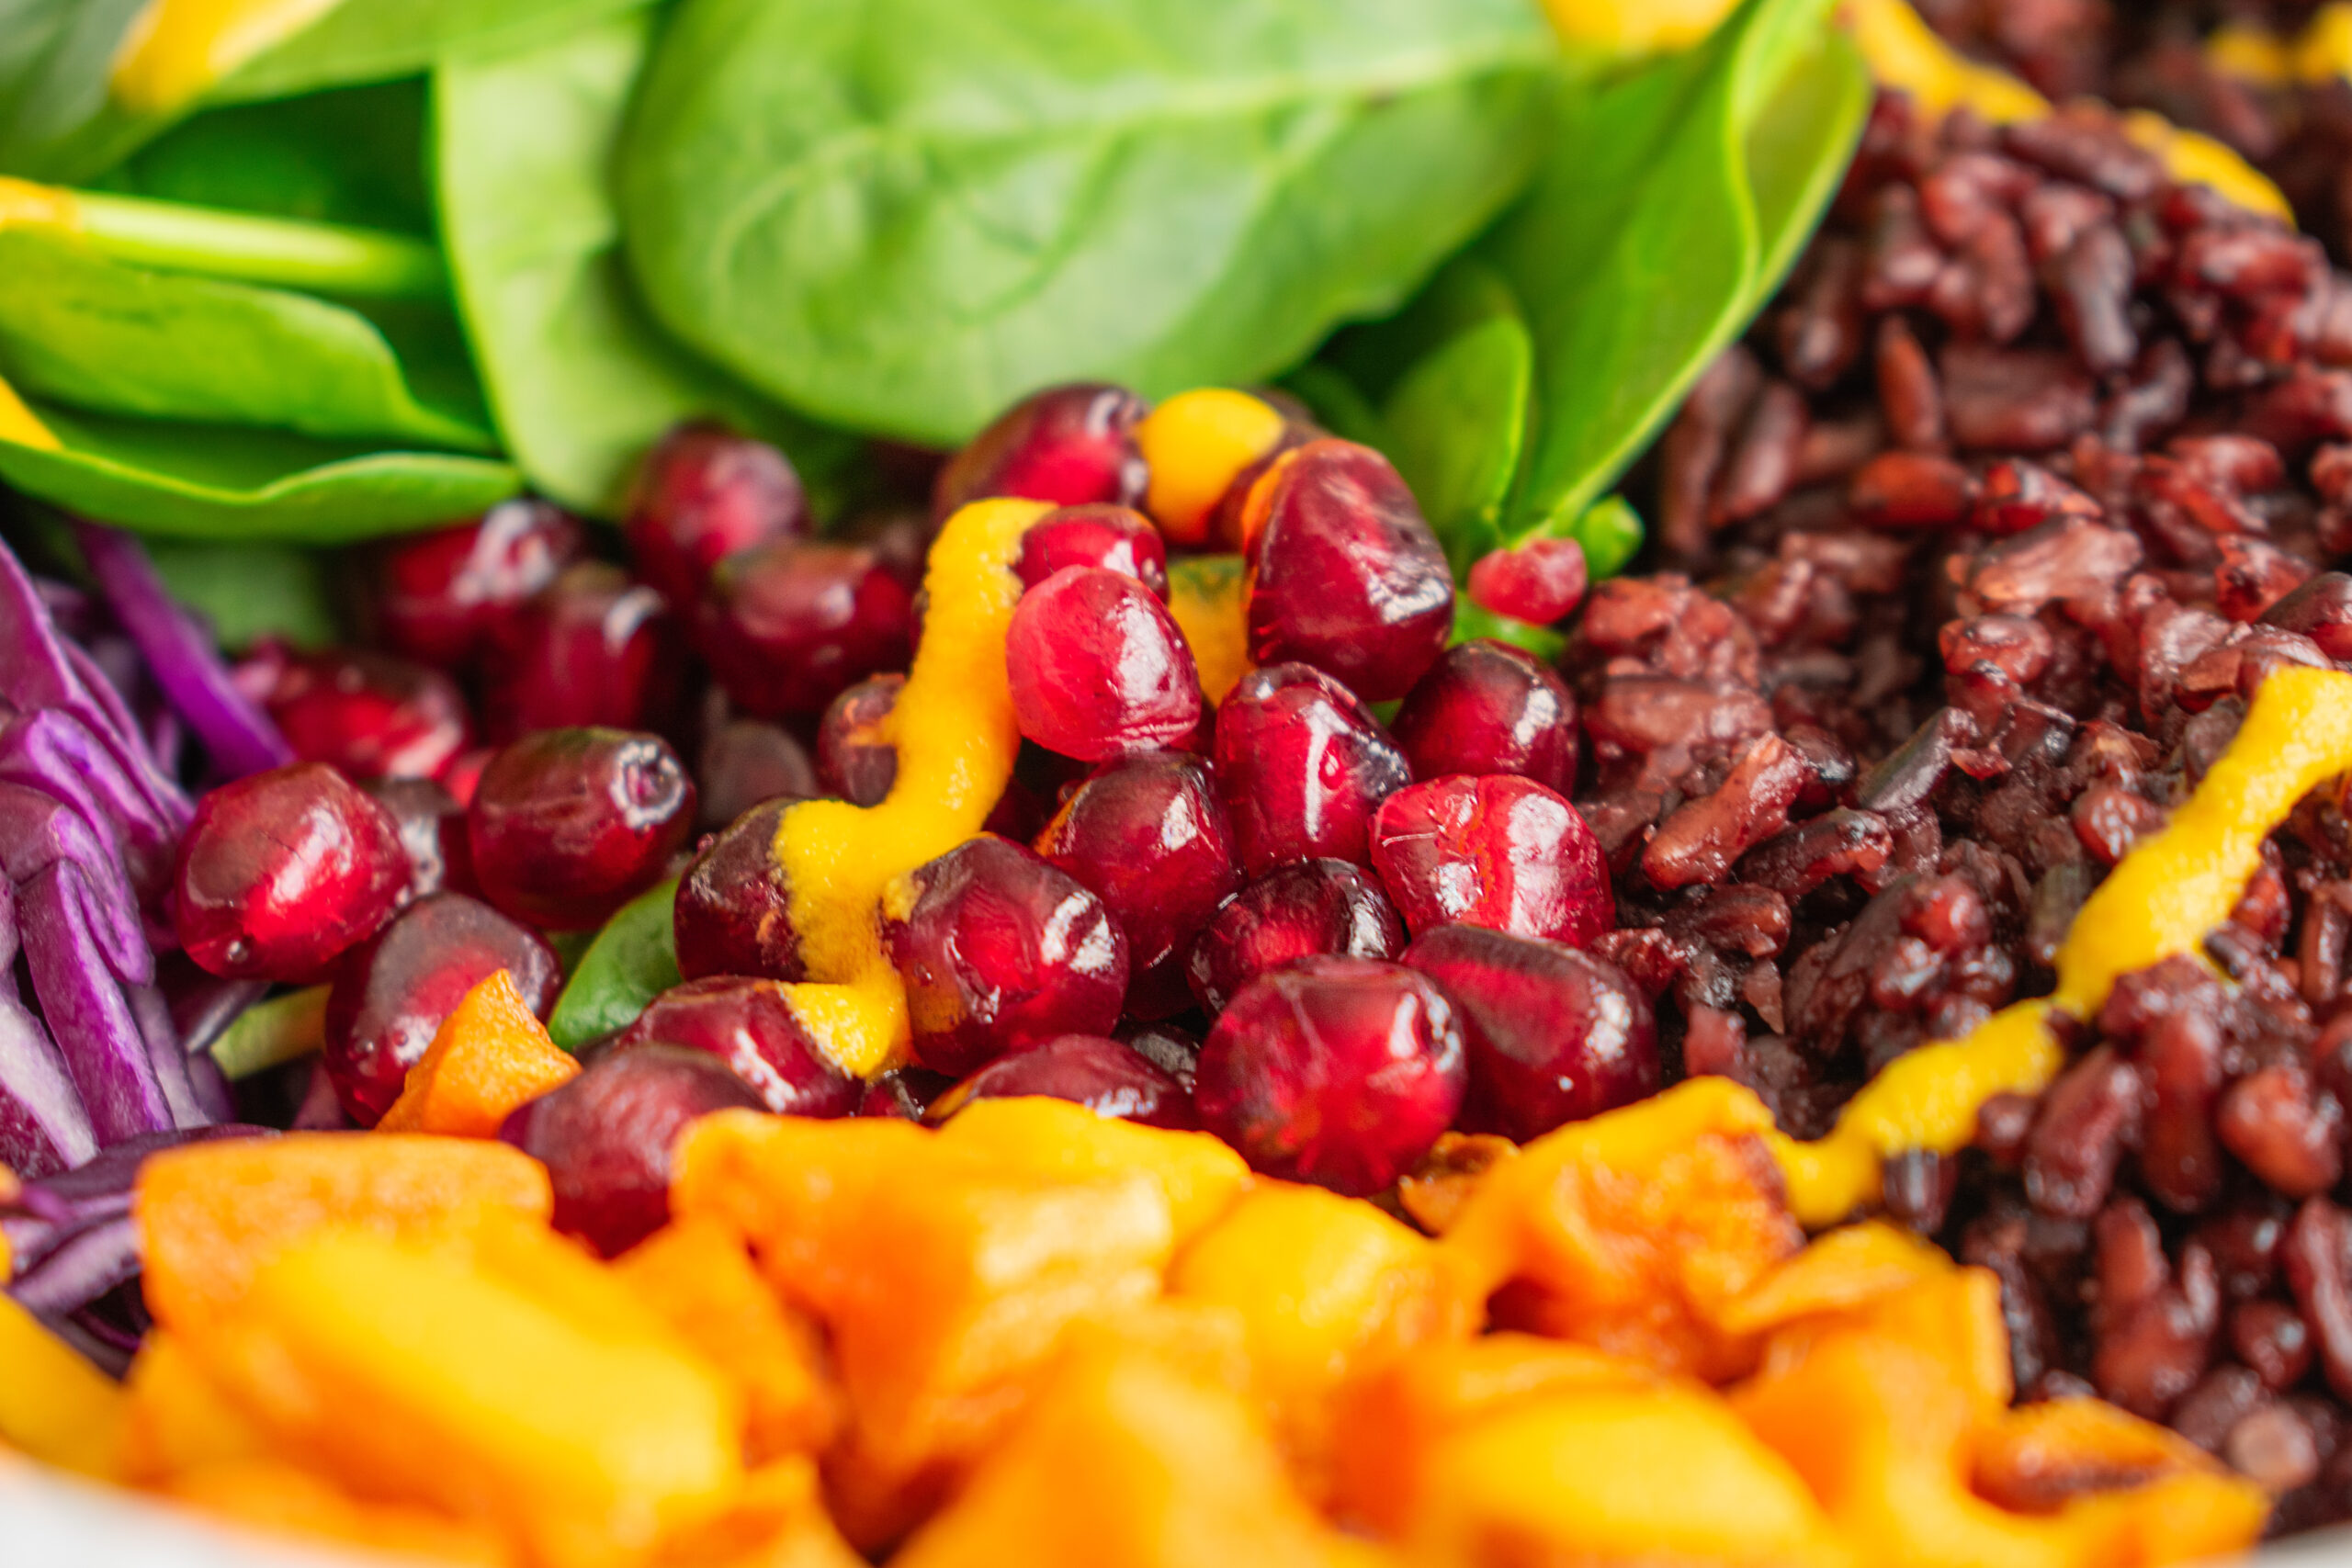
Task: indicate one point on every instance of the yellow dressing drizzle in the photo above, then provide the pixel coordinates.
(176, 50)
(956, 738)
(2163, 899)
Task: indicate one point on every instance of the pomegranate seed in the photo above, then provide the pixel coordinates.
(1554, 1035)
(1115, 539)
(432, 833)
(745, 762)
(1148, 836)
(391, 992)
(789, 626)
(608, 1137)
(734, 910)
(904, 1092)
(441, 596)
(1302, 766)
(568, 825)
(1501, 852)
(751, 1026)
(1072, 445)
(2320, 610)
(1338, 1071)
(1343, 573)
(999, 951)
(1541, 581)
(1102, 1074)
(1098, 668)
(1487, 708)
(592, 647)
(369, 716)
(855, 757)
(1295, 911)
(279, 871)
(1165, 1046)
(704, 493)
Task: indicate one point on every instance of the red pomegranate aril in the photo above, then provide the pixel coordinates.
(999, 951)
(568, 825)
(1295, 911)
(432, 833)
(1114, 538)
(733, 914)
(1554, 1035)
(391, 992)
(1302, 766)
(904, 1092)
(369, 716)
(2322, 610)
(1489, 709)
(1087, 1069)
(1338, 1071)
(281, 872)
(1073, 446)
(790, 624)
(1343, 573)
(857, 760)
(1148, 836)
(745, 762)
(704, 493)
(608, 1137)
(1501, 852)
(749, 1025)
(1541, 581)
(1098, 669)
(441, 595)
(592, 647)
(1165, 1046)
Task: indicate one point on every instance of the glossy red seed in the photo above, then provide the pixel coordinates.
(440, 596)
(608, 1137)
(857, 760)
(592, 647)
(1165, 1046)
(368, 716)
(704, 493)
(1100, 1074)
(751, 1026)
(1541, 581)
(1302, 766)
(999, 951)
(1501, 852)
(1554, 1035)
(1343, 573)
(789, 626)
(1295, 911)
(391, 992)
(2320, 610)
(1098, 669)
(1338, 1071)
(745, 762)
(1148, 836)
(1072, 445)
(568, 825)
(905, 1093)
(281, 872)
(432, 833)
(1115, 539)
(733, 914)
(1489, 708)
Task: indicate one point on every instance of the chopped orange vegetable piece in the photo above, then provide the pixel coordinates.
(209, 1214)
(178, 1420)
(285, 1499)
(53, 1405)
(1200, 1175)
(777, 1520)
(1844, 1269)
(1197, 443)
(2037, 1458)
(1208, 597)
(491, 1056)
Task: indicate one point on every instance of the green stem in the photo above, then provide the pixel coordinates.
(329, 258)
(273, 1033)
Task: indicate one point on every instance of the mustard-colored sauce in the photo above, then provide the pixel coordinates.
(956, 738)
(174, 51)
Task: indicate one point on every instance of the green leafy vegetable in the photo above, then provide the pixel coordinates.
(900, 215)
(358, 264)
(1458, 417)
(102, 336)
(271, 1033)
(582, 380)
(251, 592)
(633, 960)
(1471, 623)
(228, 483)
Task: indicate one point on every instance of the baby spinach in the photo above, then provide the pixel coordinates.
(633, 960)
(248, 592)
(1457, 418)
(581, 379)
(900, 215)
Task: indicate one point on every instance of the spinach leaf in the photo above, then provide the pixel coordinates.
(101, 335)
(900, 215)
(1471, 623)
(249, 591)
(227, 483)
(1458, 417)
(581, 379)
(633, 960)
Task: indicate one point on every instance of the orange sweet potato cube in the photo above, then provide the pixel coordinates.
(210, 1214)
(491, 1056)
(53, 1405)
(177, 1421)
(776, 1520)
(2127, 1491)
(697, 1274)
(280, 1498)
(1201, 1174)
(1122, 1461)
